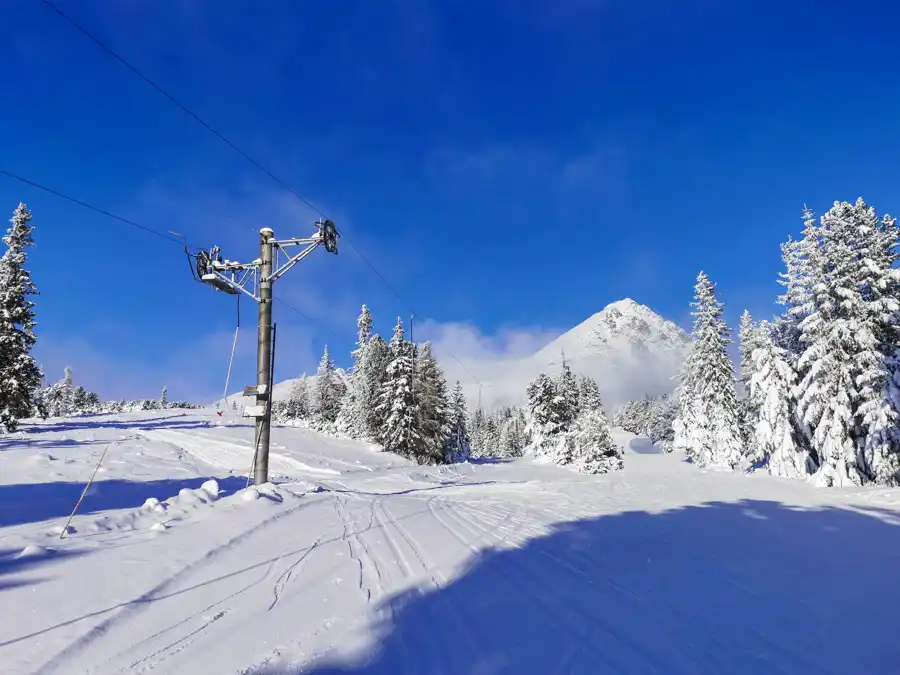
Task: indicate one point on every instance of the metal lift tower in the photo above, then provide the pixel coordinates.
(255, 279)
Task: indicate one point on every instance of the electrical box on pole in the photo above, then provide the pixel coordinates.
(255, 279)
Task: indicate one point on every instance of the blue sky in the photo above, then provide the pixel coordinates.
(511, 167)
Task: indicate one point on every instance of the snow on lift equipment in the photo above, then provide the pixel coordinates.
(206, 264)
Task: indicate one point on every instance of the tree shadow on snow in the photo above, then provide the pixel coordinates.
(643, 446)
(36, 502)
(718, 589)
(112, 422)
(12, 562)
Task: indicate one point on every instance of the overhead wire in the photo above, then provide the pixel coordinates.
(161, 90)
(144, 228)
(108, 214)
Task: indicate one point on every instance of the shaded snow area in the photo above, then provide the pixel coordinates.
(355, 561)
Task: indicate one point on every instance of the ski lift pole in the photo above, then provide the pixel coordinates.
(264, 354)
(255, 280)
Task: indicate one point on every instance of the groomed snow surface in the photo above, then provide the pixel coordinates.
(355, 561)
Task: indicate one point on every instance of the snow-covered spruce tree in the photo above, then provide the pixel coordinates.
(801, 261)
(434, 405)
(589, 394)
(622, 414)
(328, 392)
(476, 433)
(512, 435)
(707, 427)
(659, 425)
(355, 417)
(749, 339)
(374, 367)
(543, 411)
(846, 391)
(400, 432)
(164, 398)
(67, 392)
(457, 447)
(80, 400)
(589, 446)
(772, 392)
(567, 397)
(20, 376)
(879, 406)
(491, 438)
(298, 403)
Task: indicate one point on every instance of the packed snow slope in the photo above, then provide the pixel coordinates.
(628, 348)
(355, 561)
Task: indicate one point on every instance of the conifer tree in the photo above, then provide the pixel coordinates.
(774, 434)
(707, 427)
(512, 435)
(458, 444)
(434, 405)
(298, 405)
(378, 358)
(20, 376)
(329, 390)
(164, 398)
(543, 408)
(567, 397)
(67, 393)
(659, 427)
(589, 446)
(491, 439)
(400, 432)
(749, 338)
(846, 391)
(589, 394)
(476, 433)
(360, 399)
(79, 400)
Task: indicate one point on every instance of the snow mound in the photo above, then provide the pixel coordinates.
(155, 514)
(267, 491)
(34, 551)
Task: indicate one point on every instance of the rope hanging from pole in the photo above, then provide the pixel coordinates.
(65, 529)
(231, 360)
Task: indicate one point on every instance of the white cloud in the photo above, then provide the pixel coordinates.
(496, 368)
(468, 343)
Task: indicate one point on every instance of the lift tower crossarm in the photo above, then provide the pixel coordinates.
(310, 244)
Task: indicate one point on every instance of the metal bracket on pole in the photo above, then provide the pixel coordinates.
(233, 277)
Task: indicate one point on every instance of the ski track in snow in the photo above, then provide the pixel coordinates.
(142, 603)
(299, 578)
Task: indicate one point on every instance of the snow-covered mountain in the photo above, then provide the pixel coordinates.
(630, 350)
(627, 347)
(281, 391)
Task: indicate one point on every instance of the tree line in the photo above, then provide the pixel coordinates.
(395, 394)
(22, 394)
(819, 394)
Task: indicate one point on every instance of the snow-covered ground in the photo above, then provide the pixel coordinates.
(356, 561)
